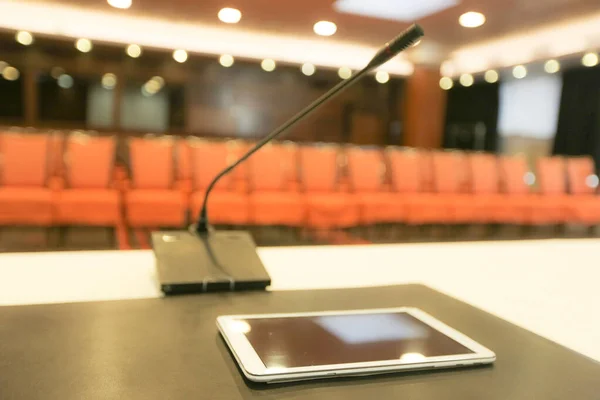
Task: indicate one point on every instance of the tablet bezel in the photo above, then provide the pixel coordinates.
(255, 369)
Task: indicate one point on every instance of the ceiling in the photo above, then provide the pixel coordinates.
(295, 19)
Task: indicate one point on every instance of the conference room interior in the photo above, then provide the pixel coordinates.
(459, 178)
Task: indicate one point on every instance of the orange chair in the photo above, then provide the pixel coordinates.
(274, 199)
(485, 183)
(154, 199)
(329, 205)
(453, 181)
(367, 172)
(551, 207)
(26, 195)
(228, 201)
(411, 175)
(516, 204)
(89, 196)
(584, 204)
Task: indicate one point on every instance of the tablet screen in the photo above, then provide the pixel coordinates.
(340, 339)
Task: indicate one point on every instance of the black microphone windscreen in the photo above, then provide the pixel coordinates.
(404, 40)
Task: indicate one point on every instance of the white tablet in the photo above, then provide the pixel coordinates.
(290, 347)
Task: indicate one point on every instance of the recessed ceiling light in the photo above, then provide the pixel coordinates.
(180, 56)
(3, 64)
(268, 65)
(230, 15)
(308, 69)
(65, 81)
(159, 80)
(83, 45)
(122, 4)
(590, 59)
(382, 76)
(552, 66)
(151, 87)
(446, 83)
(466, 80)
(471, 19)
(344, 72)
(491, 76)
(134, 51)
(325, 28)
(519, 72)
(388, 9)
(23, 37)
(10, 73)
(226, 60)
(109, 81)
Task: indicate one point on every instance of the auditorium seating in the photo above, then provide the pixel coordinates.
(74, 179)
(88, 194)
(329, 203)
(26, 186)
(274, 198)
(228, 203)
(154, 197)
(584, 203)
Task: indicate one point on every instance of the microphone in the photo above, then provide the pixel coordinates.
(404, 40)
(201, 259)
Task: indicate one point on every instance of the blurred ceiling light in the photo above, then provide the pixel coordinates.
(109, 81)
(590, 59)
(10, 73)
(65, 81)
(471, 19)
(83, 45)
(491, 76)
(3, 64)
(226, 60)
(159, 80)
(151, 88)
(180, 56)
(466, 80)
(230, 15)
(268, 65)
(56, 72)
(446, 83)
(552, 66)
(519, 72)
(388, 9)
(308, 69)
(122, 4)
(325, 28)
(382, 76)
(23, 37)
(344, 72)
(529, 178)
(592, 181)
(134, 51)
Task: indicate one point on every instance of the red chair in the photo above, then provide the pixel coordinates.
(274, 199)
(551, 207)
(228, 202)
(329, 205)
(366, 173)
(89, 195)
(154, 198)
(26, 187)
(583, 206)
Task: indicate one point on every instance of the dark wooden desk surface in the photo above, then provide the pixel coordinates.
(170, 349)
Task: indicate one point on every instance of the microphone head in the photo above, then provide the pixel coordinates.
(401, 42)
(406, 39)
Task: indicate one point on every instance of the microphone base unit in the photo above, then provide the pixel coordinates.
(191, 262)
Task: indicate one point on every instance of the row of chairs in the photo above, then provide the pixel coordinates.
(62, 179)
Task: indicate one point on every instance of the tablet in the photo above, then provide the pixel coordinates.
(289, 347)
